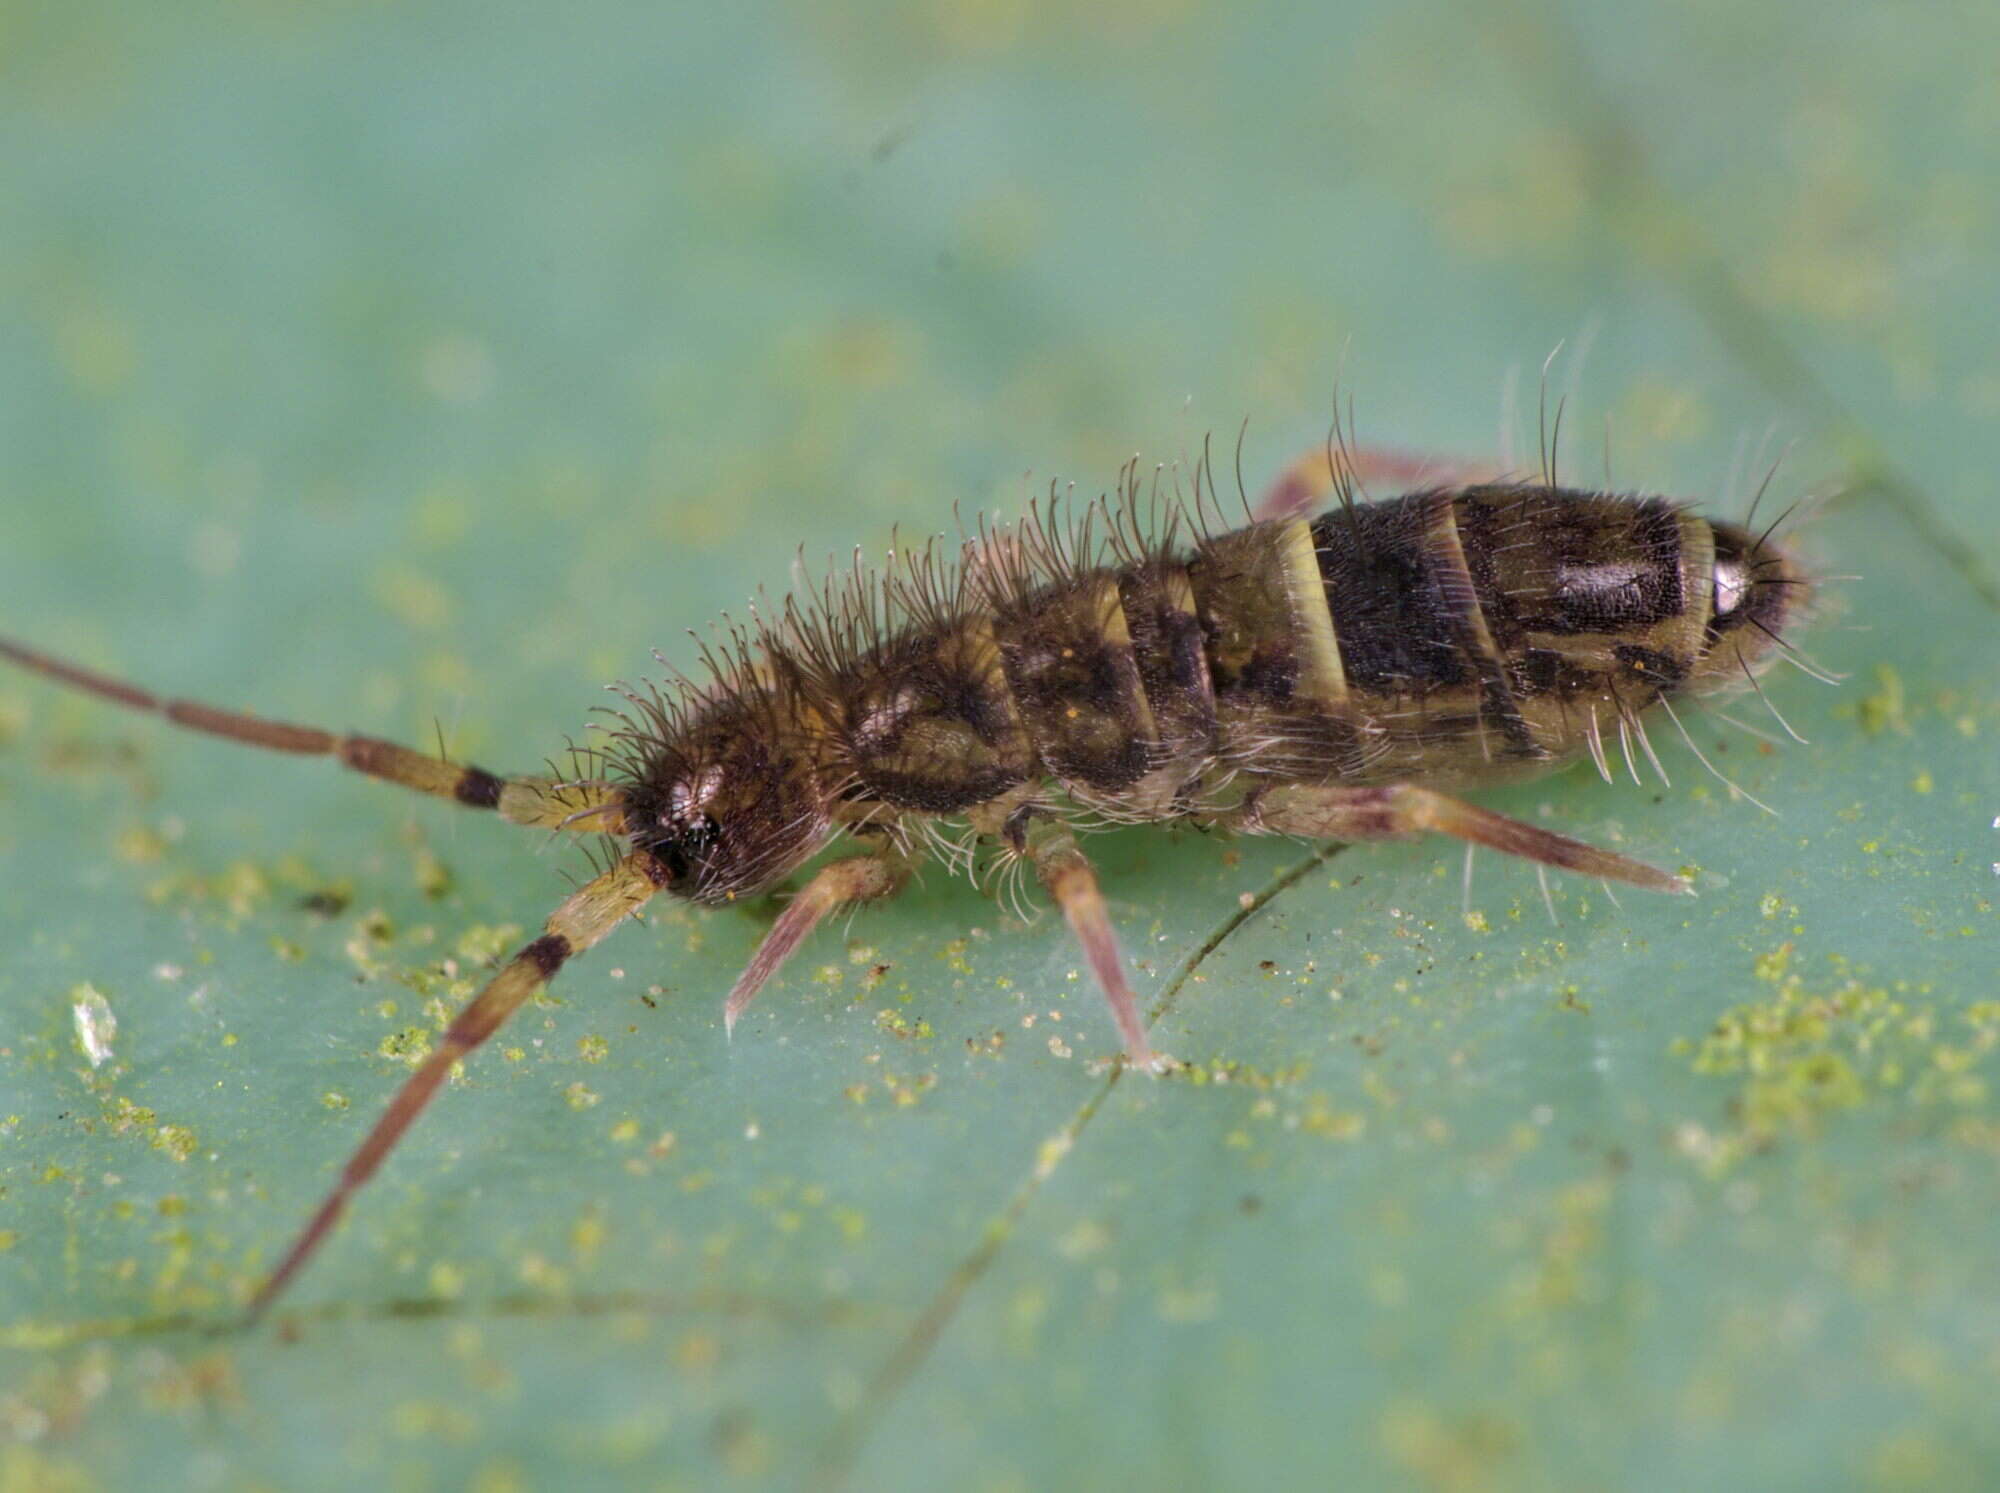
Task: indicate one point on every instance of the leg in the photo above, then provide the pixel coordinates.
(1071, 881)
(1303, 488)
(593, 911)
(540, 801)
(1401, 810)
(843, 883)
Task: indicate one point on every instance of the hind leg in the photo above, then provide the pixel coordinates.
(1401, 810)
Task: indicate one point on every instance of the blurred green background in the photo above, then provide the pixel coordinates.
(395, 366)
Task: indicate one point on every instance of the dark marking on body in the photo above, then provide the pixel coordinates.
(1612, 569)
(547, 954)
(1547, 671)
(478, 789)
(1078, 692)
(1392, 618)
(1661, 670)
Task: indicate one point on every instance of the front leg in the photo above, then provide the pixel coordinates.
(842, 883)
(1401, 810)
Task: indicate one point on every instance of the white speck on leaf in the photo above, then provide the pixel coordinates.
(95, 1024)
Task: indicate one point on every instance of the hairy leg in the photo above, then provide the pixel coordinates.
(584, 918)
(1069, 878)
(842, 883)
(537, 801)
(1400, 810)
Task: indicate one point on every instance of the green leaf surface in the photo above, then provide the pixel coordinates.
(416, 369)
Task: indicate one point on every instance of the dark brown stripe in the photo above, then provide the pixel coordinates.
(1452, 575)
(547, 953)
(1396, 627)
(1167, 646)
(478, 789)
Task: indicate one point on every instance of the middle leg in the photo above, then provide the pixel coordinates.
(1069, 878)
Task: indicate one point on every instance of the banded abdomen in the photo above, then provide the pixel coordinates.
(1492, 629)
(1444, 635)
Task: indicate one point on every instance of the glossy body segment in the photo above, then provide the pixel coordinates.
(1488, 631)
(1069, 663)
(1170, 653)
(1600, 606)
(928, 723)
(1584, 591)
(1282, 695)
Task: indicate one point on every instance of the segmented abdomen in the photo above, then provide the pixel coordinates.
(1498, 627)
(1443, 635)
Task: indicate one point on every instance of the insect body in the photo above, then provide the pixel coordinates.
(1314, 676)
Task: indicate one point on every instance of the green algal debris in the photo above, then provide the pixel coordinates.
(1771, 967)
(176, 1140)
(1806, 1055)
(1228, 1070)
(483, 943)
(410, 1045)
(239, 890)
(1884, 710)
(126, 1118)
(897, 1025)
(432, 876)
(373, 931)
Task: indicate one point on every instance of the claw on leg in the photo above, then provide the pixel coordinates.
(860, 878)
(1071, 881)
(1399, 810)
